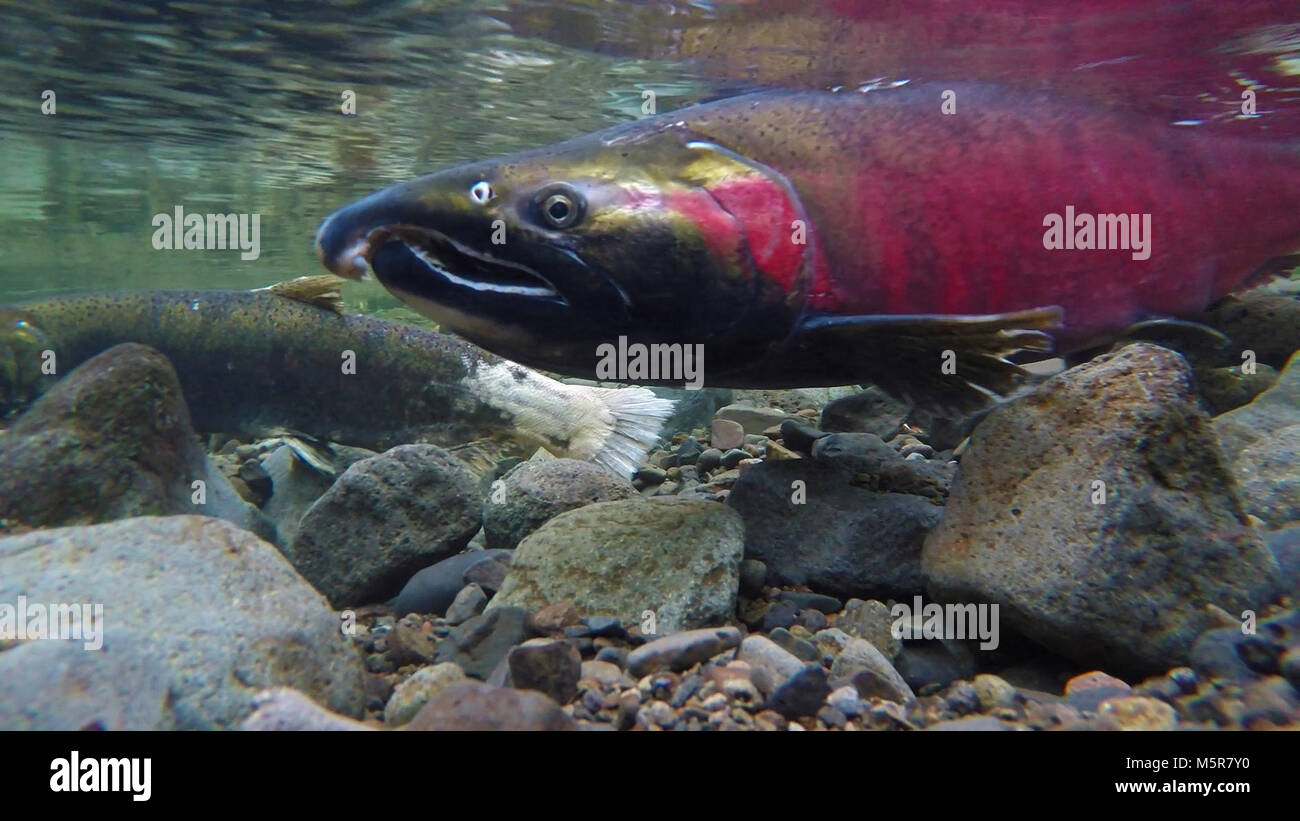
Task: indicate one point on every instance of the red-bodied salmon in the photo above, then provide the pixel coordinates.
(915, 237)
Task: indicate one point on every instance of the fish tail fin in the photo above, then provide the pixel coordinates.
(638, 416)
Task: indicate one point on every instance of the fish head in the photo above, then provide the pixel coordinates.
(643, 231)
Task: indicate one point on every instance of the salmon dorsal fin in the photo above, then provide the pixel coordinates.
(320, 291)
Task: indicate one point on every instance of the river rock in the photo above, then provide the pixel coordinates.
(725, 435)
(1229, 655)
(550, 666)
(110, 440)
(868, 670)
(771, 664)
(876, 465)
(677, 558)
(535, 492)
(474, 706)
(753, 419)
(433, 589)
(873, 621)
(469, 602)
(199, 616)
(284, 709)
(295, 487)
(1224, 389)
(1271, 411)
(1285, 545)
(382, 520)
(1268, 473)
(683, 650)
(480, 644)
(1265, 323)
(692, 409)
(794, 399)
(411, 695)
(871, 411)
(1125, 582)
(802, 694)
(809, 525)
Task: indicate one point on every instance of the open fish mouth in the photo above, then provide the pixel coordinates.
(403, 252)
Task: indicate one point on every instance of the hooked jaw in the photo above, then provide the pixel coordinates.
(350, 260)
(431, 244)
(445, 261)
(416, 237)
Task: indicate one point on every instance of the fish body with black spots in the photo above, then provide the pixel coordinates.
(262, 363)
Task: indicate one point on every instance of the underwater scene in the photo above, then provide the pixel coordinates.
(585, 365)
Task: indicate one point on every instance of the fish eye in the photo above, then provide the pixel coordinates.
(560, 206)
(480, 192)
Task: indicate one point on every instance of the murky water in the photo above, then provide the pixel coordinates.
(236, 107)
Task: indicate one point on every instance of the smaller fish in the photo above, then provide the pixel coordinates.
(288, 358)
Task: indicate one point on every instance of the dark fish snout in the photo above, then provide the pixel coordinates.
(341, 248)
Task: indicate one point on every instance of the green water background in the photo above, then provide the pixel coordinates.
(235, 108)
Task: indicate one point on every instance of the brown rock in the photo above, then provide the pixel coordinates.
(555, 617)
(476, 707)
(548, 666)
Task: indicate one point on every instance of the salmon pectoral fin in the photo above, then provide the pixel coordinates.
(944, 362)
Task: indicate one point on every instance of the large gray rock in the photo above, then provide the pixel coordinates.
(198, 617)
(1262, 440)
(1124, 584)
(385, 518)
(110, 440)
(535, 492)
(1268, 472)
(1274, 409)
(809, 525)
(676, 557)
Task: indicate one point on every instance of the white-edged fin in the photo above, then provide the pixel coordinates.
(320, 291)
(639, 416)
(613, 427)
(312, 453)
